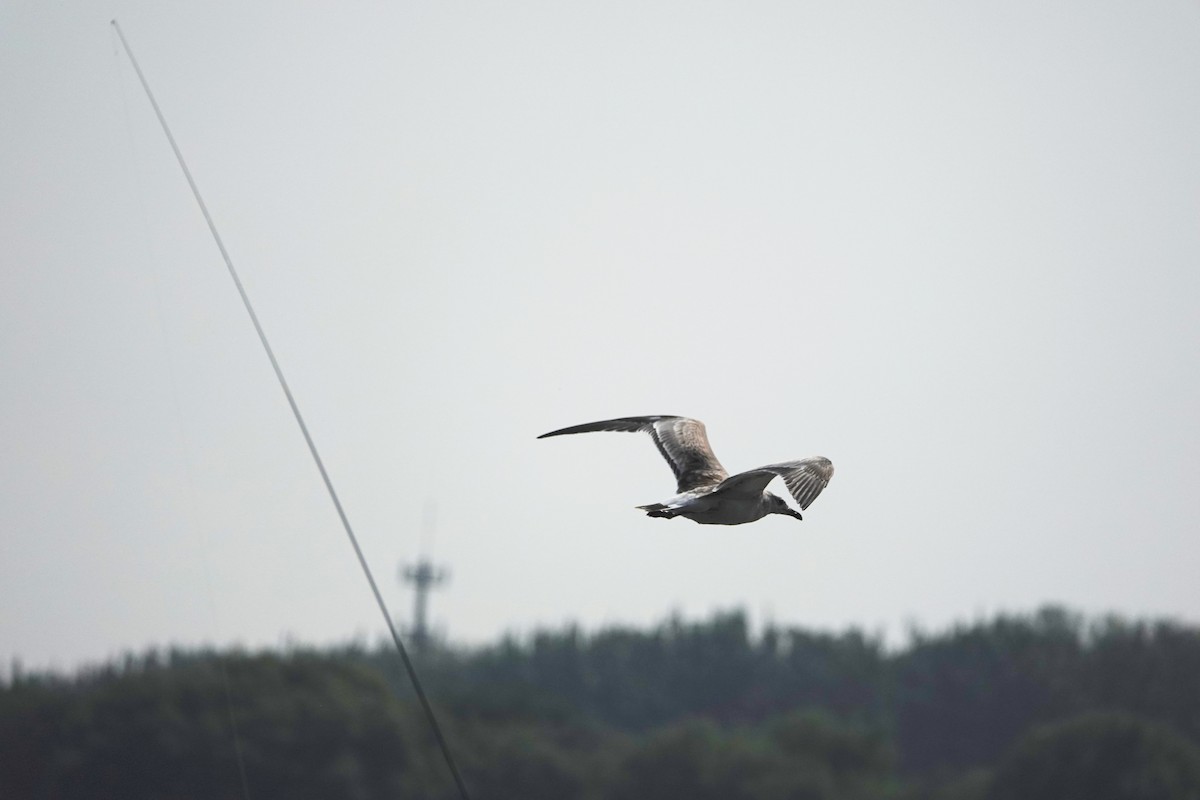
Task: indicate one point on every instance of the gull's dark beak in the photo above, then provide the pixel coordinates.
(793, 513)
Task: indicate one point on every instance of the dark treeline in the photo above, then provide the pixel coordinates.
(1047, 705)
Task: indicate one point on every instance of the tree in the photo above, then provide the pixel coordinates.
(1100, 756)
(963, 698)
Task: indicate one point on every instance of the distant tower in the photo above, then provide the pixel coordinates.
(423, 576)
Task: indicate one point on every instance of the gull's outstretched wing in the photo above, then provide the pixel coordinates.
(804, 479)
(683, 442)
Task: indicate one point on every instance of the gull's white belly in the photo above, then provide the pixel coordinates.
(710, 508)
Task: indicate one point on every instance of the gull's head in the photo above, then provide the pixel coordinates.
(777, 505)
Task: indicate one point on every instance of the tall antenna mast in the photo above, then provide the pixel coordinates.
(424, 576)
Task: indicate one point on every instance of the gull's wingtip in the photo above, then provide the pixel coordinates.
(619, 424)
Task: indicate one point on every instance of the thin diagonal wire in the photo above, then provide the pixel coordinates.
(312, 448)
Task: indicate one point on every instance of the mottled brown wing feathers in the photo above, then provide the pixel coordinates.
(683, 442)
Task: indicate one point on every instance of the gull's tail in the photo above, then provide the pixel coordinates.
(659, 510)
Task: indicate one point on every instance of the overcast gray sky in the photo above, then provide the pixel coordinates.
(953, 247)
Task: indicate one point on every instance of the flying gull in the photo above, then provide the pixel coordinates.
(707, 493)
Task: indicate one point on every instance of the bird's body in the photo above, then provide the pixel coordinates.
(707, 494)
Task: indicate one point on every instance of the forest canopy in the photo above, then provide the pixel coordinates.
(1018, 706)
